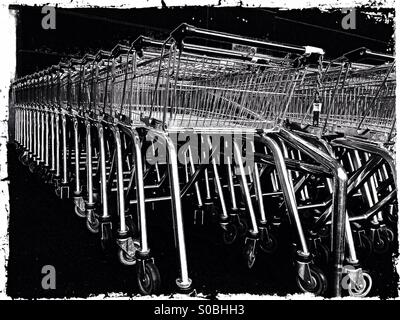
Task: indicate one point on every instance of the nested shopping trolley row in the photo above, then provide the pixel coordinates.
(257, 142)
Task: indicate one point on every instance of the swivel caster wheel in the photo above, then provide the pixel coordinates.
(79, 212)
(324, 232)
(25, 160)
(125, 258)
(250, 253)
(230, 234)
(318, 284)
(57, 191)
(32, 167)
(381, 244)
(388, 234)
(392, 217)
(363, 288)
(92, 223)
(148, 278)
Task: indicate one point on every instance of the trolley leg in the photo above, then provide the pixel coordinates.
(57, 146)
(46, 141)
(53, 142)
(224, 213)
(291, 205)
(103, 176)
(258, 190)
(92, 220)
(231, 184)
(352, 259)
(199, 210)
(89, 166)
(196, 185)
(64, 149)
(120, 184)
(77, 193)
(140, 205)
(42, 139)
(257, 184)
(36, 129)
(184, 282)
(238, 156)
(31, 134)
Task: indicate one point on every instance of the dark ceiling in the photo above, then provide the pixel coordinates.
(86, 30)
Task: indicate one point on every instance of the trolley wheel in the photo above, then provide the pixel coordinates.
(148, 278)
(79, 212)
(269, 244)
(32, 167)
(393, 218)
(25, 160)
(250, 254)
(318, 285)
(363, 289)
(229, 234)
(365, 247)
(93, 224)
(125, 258)
(389, 234)
(324, 232)
(381, 244)
(322, 254)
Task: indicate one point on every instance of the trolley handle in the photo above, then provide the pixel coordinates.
(185, 30)
(197, 49)
(87, 58)
(365, 53)
(102, 54)
(75, 61)
(119, 49)
(74, 64)
(142, 41)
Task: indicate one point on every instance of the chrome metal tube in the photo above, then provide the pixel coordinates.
(103, 174)
(238, 157)
(184, 281)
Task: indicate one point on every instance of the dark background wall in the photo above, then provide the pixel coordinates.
(86, 30)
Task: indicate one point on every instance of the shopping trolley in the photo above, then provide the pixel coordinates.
(357, 123)
(162, 101)
(181, 78)
(125, 134)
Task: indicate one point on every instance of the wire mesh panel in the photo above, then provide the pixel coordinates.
(187, 90)
(351, 98)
